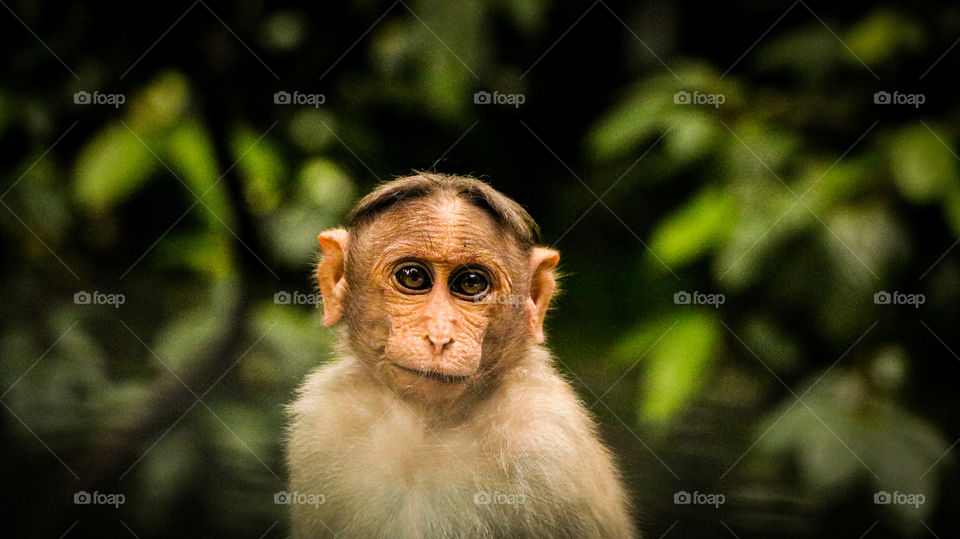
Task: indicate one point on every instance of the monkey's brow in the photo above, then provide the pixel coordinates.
(457, 255)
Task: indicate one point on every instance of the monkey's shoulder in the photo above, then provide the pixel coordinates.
(537, 412)
(331, 401)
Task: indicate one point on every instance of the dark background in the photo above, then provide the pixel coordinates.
(800, 400)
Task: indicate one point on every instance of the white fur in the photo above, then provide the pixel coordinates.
(388, 468)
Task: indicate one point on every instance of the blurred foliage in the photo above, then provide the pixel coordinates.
(796, 200)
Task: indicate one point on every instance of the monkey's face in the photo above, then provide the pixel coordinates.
(430, 296)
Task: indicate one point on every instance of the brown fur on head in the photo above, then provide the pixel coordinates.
(436, 342)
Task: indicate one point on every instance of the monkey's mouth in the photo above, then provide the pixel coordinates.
(434, 375)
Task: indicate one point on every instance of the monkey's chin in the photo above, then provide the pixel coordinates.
(428, 385)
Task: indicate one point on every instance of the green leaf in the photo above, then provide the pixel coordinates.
(804, 50)
(312, 129)
(262, 168)
(323, 184)
(324, 192)
(693, 135)
(761, 148)
(189, 152)
(883, 34)
(652, 107)
(865, 236)
(284, 30)
(830, 181)
(160, 105)
(923, 167)
(676, 366)
(700, 226)
(206, 253)
(528, 15)
(636, 117)
(842, 432)
(168, 473)
(110, 168)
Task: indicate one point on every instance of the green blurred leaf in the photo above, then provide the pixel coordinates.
(768, 216)
(528, 15)
(160, 105)
(294, 337)
(905, 451)
(293, 233)
(923, 167)
(185, 338)
(761, 148)
(776, 346)
(827, 464)
(189, 152)
(830, 181)
(110, 168)
(676, 366)
(841, 433)
(324, 184)
(636, 117)
(284, 30)
(700, 226)
(46, 205)
(807, 50)
(694, 135)
(446, 72)
(883, 34)
(312, 129)
(864, 240)
(164, 477)
(206, 253)
(263, 169)
(323, 193)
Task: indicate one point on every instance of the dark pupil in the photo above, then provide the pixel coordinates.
(472, 283)
(413, 277)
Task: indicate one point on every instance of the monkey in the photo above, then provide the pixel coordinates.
(443, 414)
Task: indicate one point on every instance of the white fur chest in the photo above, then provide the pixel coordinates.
(394, 472)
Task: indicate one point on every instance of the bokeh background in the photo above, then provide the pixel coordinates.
(757, 206)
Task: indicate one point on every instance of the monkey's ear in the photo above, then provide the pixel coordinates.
(331, 273)
(542, 284)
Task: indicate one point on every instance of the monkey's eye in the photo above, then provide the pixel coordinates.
(413, 277)
(469, 283)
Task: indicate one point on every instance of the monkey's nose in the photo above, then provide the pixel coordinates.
(439, 342)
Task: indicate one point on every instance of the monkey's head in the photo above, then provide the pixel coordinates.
(438, 282)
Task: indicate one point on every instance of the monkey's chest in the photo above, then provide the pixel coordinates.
(425, 480)
(418, 459)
